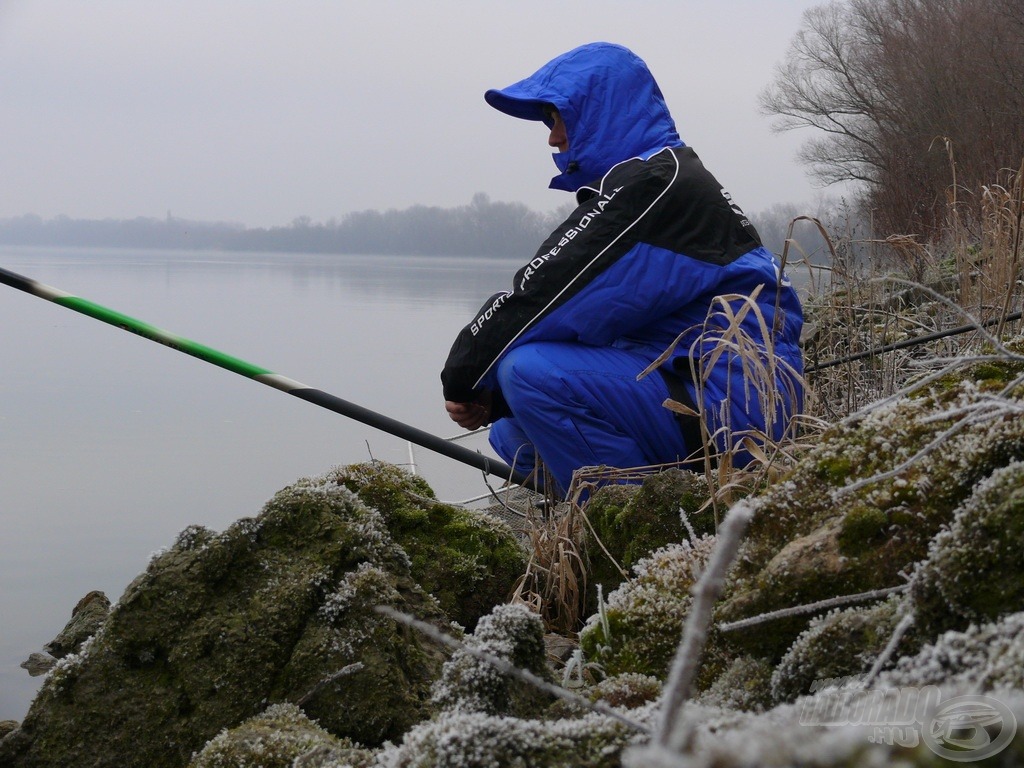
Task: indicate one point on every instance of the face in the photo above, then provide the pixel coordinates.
(558, 138)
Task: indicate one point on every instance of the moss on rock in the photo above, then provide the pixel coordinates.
(842, 643)
(820, 534)
(639, 628)
(476, 740)
(466, 559)
(745, 684)
(221, 625)
(626, 691)
(86, 618)
(975, 569)
(281, 737)
(983, 658)
(632, 521)
(513, 634)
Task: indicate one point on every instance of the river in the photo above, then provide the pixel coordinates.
(110, 444)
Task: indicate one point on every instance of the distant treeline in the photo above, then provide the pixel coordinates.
(482, 228)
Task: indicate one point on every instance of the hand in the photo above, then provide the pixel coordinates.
(471, 415)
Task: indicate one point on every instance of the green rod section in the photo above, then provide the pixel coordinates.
(265, 376)
(151, 332)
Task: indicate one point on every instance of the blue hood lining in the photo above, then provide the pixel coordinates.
(523, 108)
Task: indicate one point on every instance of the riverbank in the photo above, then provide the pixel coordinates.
(898, 533)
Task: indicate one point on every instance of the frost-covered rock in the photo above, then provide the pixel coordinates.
(38, 663)
(845, 521)
(795, 736)
(281, 737)
(468, 560)
(86, 618)
(475, 740)
(981, 658)
(641, 624)
(219, 626)
(469, 683)
(975, 569)
(280, 609)
(842, 643)
(745, 685)
(626, 691)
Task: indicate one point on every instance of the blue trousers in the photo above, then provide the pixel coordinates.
(577, 406)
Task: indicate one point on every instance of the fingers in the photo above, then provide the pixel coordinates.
(468, 415)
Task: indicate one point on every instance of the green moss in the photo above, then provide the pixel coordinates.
(862, 529)
(989, 375)
(839, 644)
(834, 469)
(639, 628)
(745, 684)
(387, 691)
(220, 625)
(975, 571)
(813, 538)
(467, 560)
(631, 522)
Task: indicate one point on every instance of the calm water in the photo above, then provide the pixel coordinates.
(110, 444)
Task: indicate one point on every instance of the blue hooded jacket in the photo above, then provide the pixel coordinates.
(655, 253)
(611, 106)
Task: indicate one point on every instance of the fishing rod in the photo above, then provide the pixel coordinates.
(913, 342)
(263, 376)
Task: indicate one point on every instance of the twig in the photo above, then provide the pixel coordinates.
(933, 445)
(821, 605)
(508, 668)
(346, 670)
(604, 549)
(884, 656)
(705, 593)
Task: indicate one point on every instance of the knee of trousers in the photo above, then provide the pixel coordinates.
(526, 379)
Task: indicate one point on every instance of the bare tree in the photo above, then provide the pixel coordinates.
(920, 102)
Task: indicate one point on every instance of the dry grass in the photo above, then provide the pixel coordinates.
(883, 291)
(555, 582)
(735, 460)
(875, 292)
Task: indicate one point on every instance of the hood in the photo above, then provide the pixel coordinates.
(612, 108)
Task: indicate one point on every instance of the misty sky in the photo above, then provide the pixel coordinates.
(259, 111)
